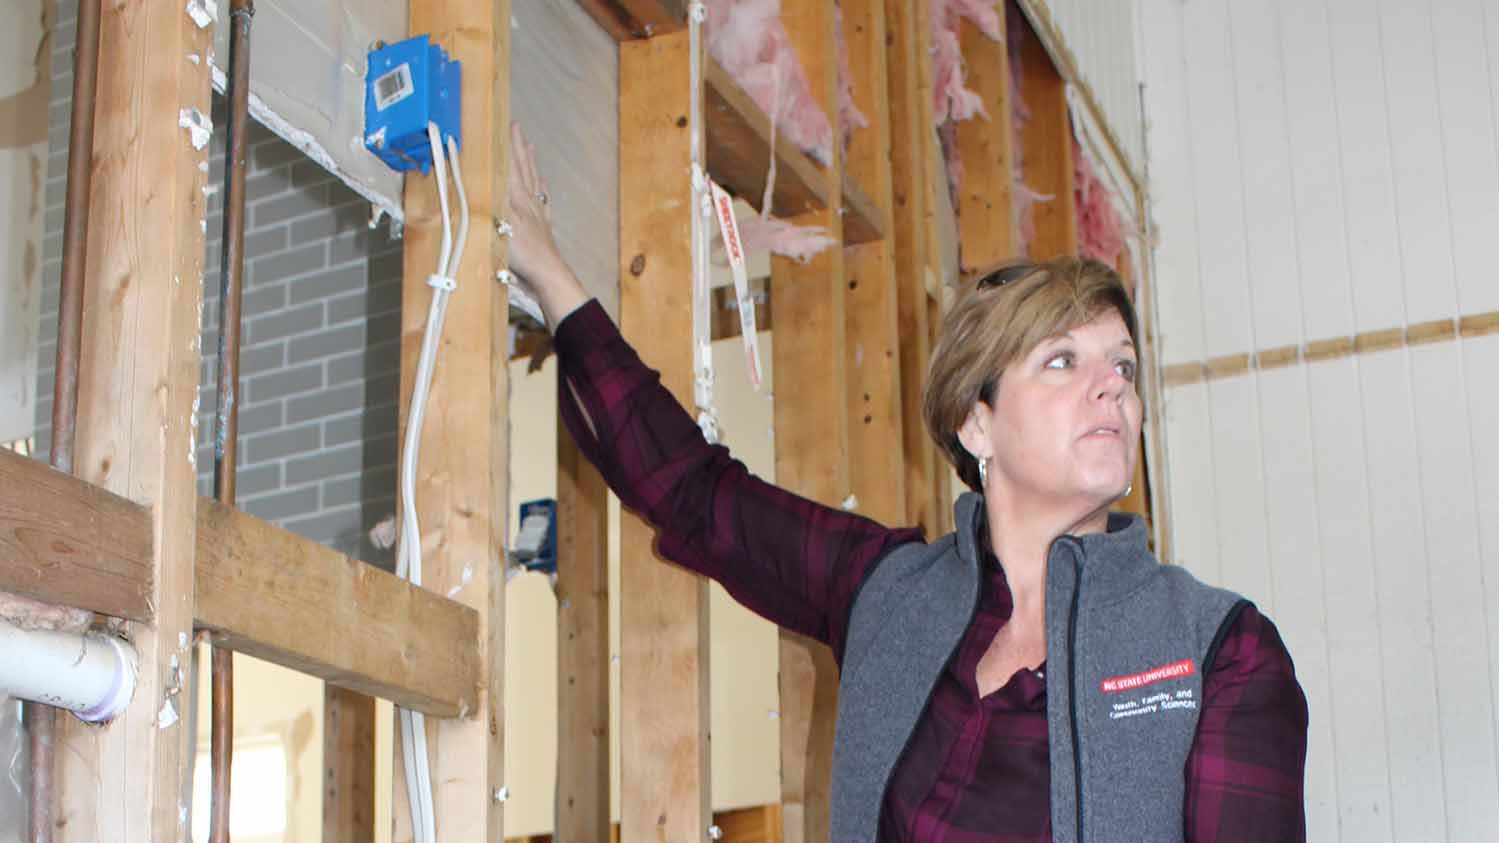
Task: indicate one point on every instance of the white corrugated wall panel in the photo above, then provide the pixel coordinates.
(1318, 170)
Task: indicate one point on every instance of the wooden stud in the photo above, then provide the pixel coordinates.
(664, 788)
(876, 473)
(986, 205)
(582, 809)
(70, 543)
(908, 204)
(348, 766)
(138, 382)
(812, 437)
(462, 484)
(1046, 151)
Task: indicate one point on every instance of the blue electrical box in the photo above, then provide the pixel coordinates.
(536, 543)
(407, 85)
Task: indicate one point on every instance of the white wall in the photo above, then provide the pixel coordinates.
(1321, 169)
(25, 85)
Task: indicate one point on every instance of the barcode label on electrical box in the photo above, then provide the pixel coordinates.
(393, 86)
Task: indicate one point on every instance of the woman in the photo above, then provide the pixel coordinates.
(1036, 675)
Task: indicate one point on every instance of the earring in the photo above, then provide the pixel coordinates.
(983, 473)
(1128, 489)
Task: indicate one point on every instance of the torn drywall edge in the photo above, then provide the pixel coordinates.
(309, 146)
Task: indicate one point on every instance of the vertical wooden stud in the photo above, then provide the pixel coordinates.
(463, 481)
(811, 424)
(875, 422)
(138, 384)
(664, 710)
(582, 809)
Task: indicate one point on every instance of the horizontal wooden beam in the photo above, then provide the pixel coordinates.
(274, 595)
(864, 221)
(261, 590)
(738, 144)
(66, 541)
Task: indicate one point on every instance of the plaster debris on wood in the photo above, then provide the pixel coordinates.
(203, 12)
(198, 126)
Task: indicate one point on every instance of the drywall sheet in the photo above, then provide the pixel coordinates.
(25, 86)
(307, 61)
(564, 90)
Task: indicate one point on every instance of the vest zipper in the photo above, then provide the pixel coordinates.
(1077, 758)
(972, 612)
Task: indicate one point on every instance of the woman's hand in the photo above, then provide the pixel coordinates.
(534, 256)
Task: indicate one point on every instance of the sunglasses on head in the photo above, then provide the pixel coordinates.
(1005, 274)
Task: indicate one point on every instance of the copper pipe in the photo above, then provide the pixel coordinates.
(226, 432)
(42, 720)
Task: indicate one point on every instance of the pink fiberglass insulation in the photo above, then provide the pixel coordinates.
(951, 100)
(1100, 231)
(800, 242)
(749, 40)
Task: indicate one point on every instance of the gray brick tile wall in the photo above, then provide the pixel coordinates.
(321, 351)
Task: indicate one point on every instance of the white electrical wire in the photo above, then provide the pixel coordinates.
(409, 551)
(702, 211)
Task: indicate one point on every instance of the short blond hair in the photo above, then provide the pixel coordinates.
(1000, 318)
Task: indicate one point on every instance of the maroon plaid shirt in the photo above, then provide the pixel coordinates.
(976, 769)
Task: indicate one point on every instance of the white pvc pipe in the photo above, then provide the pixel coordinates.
(91, 674)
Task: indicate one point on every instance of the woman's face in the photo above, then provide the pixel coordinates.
(1064, 430)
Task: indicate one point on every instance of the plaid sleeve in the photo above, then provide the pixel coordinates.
(1246, 770)
(790, 560)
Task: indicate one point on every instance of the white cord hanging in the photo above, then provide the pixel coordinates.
(702, 212)
(409, 549)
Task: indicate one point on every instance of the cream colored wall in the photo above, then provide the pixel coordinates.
(275, 706)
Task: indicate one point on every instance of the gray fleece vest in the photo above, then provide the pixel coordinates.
(1127, 641)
